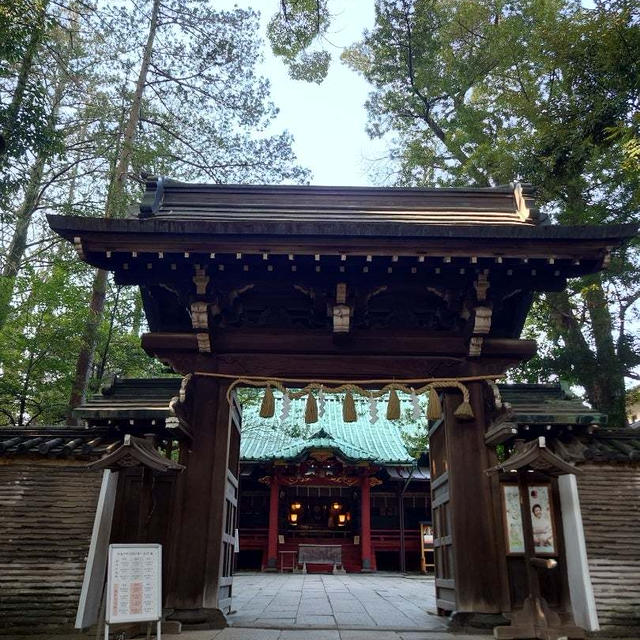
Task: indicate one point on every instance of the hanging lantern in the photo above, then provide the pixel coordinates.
(296, 506)
(336, 506)
(293, 518)
(342, 518)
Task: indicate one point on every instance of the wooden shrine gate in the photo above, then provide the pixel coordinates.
(230, 515)
(317, 283)
(466, 516)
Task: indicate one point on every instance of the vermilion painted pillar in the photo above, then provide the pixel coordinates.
(365, 528)
(272, 548)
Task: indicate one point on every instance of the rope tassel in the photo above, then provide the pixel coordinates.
(464, 411)
(434, 409)
(311, 410)
(349, 408)
(268, 406)
(393, 408)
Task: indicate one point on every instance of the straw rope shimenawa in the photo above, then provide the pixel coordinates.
(349, 387)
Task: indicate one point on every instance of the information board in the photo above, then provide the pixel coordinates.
(134, 592)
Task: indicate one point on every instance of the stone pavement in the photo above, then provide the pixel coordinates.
(378, 606)
(236, 633)
(350, 601)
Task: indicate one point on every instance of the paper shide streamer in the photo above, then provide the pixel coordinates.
(315, 393)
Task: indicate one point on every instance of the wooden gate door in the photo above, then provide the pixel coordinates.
(227, 551)
(441, 519)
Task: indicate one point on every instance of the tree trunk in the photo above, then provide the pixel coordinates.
(19, 239)
(136, 322)
(105, 352)
(608, 393)
(26, 65)
(33, 192)
(599, 372)
(116, 200)
(598, 367)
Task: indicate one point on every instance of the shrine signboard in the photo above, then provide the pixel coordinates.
(134, 584)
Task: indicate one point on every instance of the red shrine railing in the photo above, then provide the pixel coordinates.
(387, 540)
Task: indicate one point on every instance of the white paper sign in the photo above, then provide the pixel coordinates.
(134, 581)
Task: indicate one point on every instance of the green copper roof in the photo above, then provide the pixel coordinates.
(271, 438)
(548, 404)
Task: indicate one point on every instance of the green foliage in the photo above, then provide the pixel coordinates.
(294, 30)
(547, 91)
(24, 126)
(38, 344)
(69, 71)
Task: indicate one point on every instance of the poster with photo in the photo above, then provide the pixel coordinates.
(542, 523)
(513, 518)
(542, 519)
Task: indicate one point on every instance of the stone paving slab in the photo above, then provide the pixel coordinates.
(237, 633)
(385, 602)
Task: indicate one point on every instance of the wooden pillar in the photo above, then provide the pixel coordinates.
(365, 527)
(146, 505)
(272, 549)
(478, 560)
(197, 524)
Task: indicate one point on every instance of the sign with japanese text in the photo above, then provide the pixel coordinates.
(134, 580)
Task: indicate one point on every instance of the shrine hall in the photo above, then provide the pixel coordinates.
(334, 305)
(346, 496)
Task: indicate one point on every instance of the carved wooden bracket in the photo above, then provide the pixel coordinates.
(77, 245)
(481, 327)
(341, 318)
(201, 280)
(481, 285)
(199, 315)
(482, 320)
(204, 342)
(475, 346)
(341, 311)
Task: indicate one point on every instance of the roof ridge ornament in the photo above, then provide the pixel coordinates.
(534, 455)
(523, 211)
(152, 198)
(135, 452)
(321, 434)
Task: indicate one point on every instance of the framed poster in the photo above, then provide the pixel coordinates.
(542, 522)
(512, 518)
(134, 579)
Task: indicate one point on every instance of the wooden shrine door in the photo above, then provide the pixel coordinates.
(230, 516)
(468, 545)
(441, 520)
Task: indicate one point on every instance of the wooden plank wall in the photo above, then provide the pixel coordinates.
(610, 503)
(46, 518)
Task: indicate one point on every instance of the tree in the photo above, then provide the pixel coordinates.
(24, 125)
(63, 40)
(115, 101)
(294, 33)
(195, 76)
(482, 92)
(35, 368)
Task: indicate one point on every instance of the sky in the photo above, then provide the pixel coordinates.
(327, 120)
